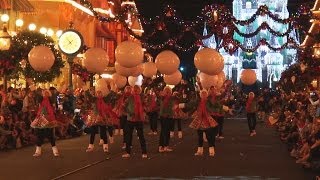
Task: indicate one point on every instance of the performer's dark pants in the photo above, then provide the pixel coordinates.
(123, 125)
(173, 124)
(210, 134)
(252, 120)
(165, 131)
(153, 120)
(45, 133)
(139, 127)
(103, 133)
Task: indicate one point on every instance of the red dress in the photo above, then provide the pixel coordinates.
(102, 114)
(45, 116)
(201, 117)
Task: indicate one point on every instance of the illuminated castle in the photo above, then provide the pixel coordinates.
(267, 63)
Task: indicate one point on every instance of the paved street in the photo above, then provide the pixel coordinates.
(238, 156)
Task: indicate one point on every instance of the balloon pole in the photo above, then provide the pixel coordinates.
(70, 61)
(91, 80)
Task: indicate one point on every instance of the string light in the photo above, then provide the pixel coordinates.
(32, 27)
(222, 23)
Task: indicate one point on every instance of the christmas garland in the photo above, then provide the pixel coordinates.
(23, 42)
(82, 72)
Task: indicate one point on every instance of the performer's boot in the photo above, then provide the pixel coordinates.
(111, 139)
(105, 148)
(211, 151)
(180, 134)
(171, 134)
(55, 151)
(101, 142)
(199, 151)
(38, 151)
(90, 148)
(116, 132)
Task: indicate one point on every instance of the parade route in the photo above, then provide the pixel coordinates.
(238, 156)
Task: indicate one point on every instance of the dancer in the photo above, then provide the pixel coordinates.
(120, 107)
(135, 117)
(166, 114)
(204, 123)
(44, 124)
(178, 115)
(110, 100)
(216, 100)
(152, 111)
(251, 108)
(96, 120)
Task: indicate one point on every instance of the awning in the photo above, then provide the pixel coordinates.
(103, 32)
(22, 6)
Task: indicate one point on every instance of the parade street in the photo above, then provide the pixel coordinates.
(238, 156)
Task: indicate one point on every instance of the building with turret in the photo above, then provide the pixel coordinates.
(268, 64)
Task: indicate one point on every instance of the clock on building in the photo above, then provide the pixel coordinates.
(70, 42)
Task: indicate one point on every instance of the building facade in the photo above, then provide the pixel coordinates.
(268, 64)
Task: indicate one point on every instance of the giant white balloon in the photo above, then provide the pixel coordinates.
(41, 58)
(96, 60)
(119, 80)
(149, 69)
(123, 71)
(173, 79)
(248, 77)
(129, 54)
(102, 85)
(132, 80)
(209, 61)
(208, 80)
(167, 62)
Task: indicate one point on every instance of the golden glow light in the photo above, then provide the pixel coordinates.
(50, 32)
(19, 22)
(32, 27)
(4, 17)
(43, 30)
(58, 33)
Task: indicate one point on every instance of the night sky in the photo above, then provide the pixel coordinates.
(191, 8)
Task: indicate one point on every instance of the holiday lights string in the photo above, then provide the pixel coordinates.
(222, 19)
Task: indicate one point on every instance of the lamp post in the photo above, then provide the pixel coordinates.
(19, 24)
(5, 42)
(70, 43)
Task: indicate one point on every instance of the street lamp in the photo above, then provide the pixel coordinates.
(43, 30)
(32, 27)
(5, 41)
(50, 32)
(5, 38)
(19, 23)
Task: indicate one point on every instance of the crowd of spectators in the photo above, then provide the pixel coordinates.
(19, 108)
(296, 116)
